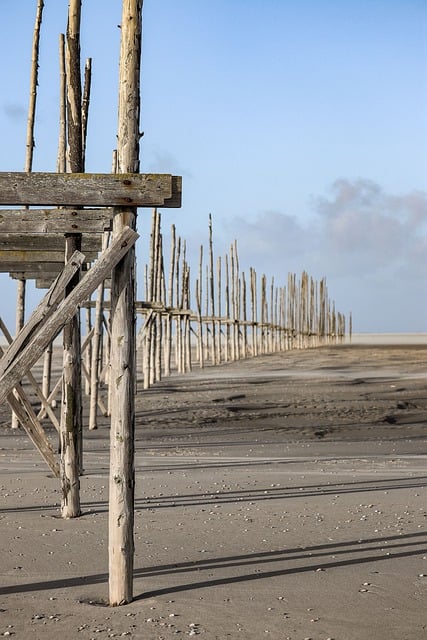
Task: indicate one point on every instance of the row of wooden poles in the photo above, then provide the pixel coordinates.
(220, 316)
(224, 316)
(232, 319)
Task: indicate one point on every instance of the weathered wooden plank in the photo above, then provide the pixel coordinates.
(47, 272)
(41, 283)
(31, 271)
(13, 370)
(21, 269)
(45, 282)
(91, 242)
(15, 258)
(90, 189)
(56, 220)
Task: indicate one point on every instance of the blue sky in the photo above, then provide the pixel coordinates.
(300, 126)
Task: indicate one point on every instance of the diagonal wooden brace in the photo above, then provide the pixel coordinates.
(11, 372)
(25, 413)
(46, 408)
(44, 309)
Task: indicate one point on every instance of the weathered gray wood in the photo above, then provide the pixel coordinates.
(58, 221)
(28, 350)
(90, 189)
(70, 433)
(27, 418)
(41, 394)
(214, 354)
(31, 271)
(44, 309)
(30, 144)
(85, 103)
(61, 162)
(74, 88)
(123, 354)
(20, 318)
(41, 283)
(39, 257)
(168, 338)
(91, 242)
(71, 441)
(34, 429)
(96, 352)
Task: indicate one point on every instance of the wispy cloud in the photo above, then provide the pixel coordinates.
(365, 229)
(15, 112)
(370, 244)
(162, 161)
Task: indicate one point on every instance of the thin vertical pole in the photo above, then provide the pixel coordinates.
(20, 316)
(199, 293)
(168, 337)
(212, 293)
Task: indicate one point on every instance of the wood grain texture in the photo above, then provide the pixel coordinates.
(90, 189)
(34, 221)
(32, 344)
(47, 242)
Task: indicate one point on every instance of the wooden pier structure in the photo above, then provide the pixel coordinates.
(79, 241)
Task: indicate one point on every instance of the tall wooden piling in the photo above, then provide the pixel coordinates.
(71, 407)
(123, 361)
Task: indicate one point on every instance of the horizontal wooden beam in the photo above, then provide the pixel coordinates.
(40, 261)
(56, 220)
(91, 189)
(44, 281)
(46, 242)
(31, 271)
(41, 283)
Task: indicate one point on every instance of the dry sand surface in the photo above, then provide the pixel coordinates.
(282, 497)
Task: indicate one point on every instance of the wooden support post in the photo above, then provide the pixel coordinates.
(20, 317)
(187, 326)
(212, 294)
(254, 313)
(88, 350)
(245, 325)
(71, 441)
(168, 321)
(219, 277)
(227, 311)
(178, 326)
(233, 304)
(199, 287)
(123, 361)
(71, 406)
(95, 368)
(236, 302)
(47, 371)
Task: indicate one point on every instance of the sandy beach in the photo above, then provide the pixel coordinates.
(281, 497)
